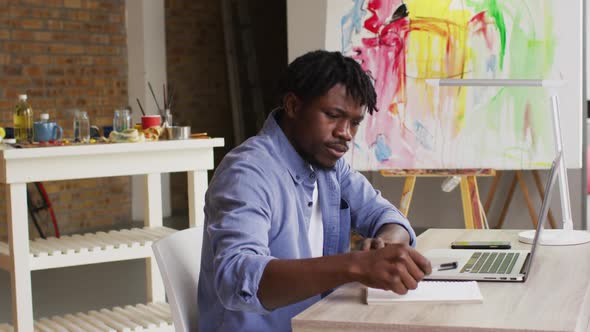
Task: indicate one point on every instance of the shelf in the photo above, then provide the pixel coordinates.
(90, 248)
(149, 317)
(19, 167)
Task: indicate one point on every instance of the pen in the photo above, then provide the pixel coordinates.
(447, 266)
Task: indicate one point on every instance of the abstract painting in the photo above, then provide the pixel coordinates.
(403, 43)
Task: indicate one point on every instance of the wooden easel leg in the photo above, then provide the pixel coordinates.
(492, 192)
(541, 192)
(471, 204)
(404, 205)
(507, 202)
(527, 197)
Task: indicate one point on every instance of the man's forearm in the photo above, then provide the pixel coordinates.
(286, 281)
(396, 267)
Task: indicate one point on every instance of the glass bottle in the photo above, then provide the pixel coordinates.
(76, 126)
(121, 120)
(23, 120)
(84, 127)
(167, 121)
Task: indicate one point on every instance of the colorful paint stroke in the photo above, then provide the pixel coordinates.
(420, 126)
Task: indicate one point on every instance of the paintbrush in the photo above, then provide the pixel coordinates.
(141, 108)
(165, 100)
(155, 99)
(170, 97)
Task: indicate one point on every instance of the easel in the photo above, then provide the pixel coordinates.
(518, 177)
(473, 215)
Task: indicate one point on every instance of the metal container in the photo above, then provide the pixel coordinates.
(178, 132)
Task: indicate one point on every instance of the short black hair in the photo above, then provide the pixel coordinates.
(314, 73)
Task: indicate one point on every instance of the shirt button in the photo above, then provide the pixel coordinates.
(297, 177)
(310, 204)
(312, 175)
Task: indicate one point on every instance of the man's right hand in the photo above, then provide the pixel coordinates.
(396, 267)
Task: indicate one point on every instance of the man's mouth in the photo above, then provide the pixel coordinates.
(338, 150)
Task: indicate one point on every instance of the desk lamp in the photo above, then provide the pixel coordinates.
(567, 235)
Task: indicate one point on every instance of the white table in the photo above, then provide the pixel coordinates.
(556, 297)
(149, 159)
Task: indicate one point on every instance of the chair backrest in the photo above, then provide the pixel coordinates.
(179, 260)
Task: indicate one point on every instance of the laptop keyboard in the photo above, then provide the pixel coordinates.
(490, 262)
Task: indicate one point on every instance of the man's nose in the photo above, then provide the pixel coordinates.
(343, 131)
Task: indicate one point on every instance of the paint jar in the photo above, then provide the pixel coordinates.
(121, 120)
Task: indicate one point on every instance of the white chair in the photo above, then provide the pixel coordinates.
(179, 260)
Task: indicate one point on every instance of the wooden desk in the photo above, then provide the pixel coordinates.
(555, 298)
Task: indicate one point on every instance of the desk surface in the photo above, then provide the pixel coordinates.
(556, 297)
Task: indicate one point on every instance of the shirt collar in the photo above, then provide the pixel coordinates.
(298, 168)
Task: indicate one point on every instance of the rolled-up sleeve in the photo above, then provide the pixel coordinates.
(369, 210)
(238, 214)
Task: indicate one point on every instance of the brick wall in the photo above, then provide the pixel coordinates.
(196, 66)
(68, 54)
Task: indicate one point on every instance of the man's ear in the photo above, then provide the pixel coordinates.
(292, 105)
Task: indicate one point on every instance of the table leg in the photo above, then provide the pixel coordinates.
(18, 242)
(408, 191)
(153, 218)
(197, 187)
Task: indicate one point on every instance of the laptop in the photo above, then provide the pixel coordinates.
(493, 265)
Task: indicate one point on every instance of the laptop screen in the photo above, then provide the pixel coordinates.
(544, 208)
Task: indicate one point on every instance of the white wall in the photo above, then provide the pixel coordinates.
(146, 54)
(305, 18)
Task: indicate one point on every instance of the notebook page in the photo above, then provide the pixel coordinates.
(431, 291)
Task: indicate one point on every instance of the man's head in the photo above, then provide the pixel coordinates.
(325, 97)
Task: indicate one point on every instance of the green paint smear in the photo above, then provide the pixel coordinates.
(493, 9)
(530, 57)
(526, 11)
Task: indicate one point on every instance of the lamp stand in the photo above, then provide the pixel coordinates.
(555, 237)
(567, 235)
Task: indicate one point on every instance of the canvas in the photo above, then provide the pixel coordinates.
(420, 126)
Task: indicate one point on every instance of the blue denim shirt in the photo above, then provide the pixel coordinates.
(258, 208)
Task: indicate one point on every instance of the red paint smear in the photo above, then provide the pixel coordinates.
(479, 24)
(528, 122)
(384, 56)
(380, 10)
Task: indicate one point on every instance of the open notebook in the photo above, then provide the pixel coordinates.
(431, 292)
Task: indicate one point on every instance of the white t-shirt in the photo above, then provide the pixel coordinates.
(315, 232)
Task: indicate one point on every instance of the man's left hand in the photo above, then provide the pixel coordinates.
(373, 243)
(387, 234)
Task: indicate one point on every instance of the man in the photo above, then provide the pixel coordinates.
(279, 210)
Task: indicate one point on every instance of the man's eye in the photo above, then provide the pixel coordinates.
(332, 115)
(356, 123)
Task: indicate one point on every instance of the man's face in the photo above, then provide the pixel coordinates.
(322, 130)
